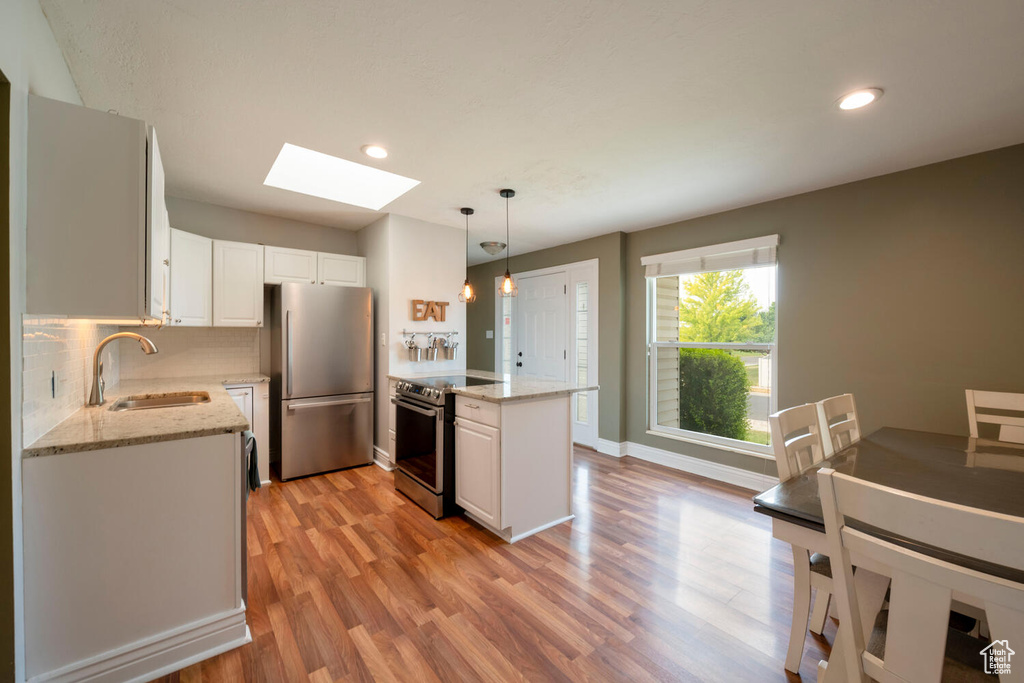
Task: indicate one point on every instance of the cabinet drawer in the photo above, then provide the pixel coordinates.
(483, 412)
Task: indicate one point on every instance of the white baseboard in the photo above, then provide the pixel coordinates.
(382, 459)
(755, 481)
(265, 482)
(159, 655)
(612, 448)
(539, 529)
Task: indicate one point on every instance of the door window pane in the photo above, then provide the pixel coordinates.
(582, 367)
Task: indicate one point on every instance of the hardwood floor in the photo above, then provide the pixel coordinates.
(661, 576)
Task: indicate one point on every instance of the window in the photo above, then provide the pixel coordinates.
(506, 334)
(582, 329)
(712, 343)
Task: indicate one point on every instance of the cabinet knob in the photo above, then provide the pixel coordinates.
(167, 262)
(177, 320)
(321, 282)
(313, 282)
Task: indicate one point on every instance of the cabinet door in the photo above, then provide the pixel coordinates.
(478, 470)
(86, 212)
(158, 232)
(288, 265)
(243, 399)
(237, 284)
(191, 279)
(341, 270)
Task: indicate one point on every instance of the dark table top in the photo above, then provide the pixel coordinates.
(974, 472)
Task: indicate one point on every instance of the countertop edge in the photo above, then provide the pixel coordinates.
(133, 441)
(529, 395)
(224, 426)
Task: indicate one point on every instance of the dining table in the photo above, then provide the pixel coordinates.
(979, 473)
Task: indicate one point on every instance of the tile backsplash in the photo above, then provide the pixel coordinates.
(57, 370)
(194, 351)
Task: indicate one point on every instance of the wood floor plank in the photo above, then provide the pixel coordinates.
(661, 576)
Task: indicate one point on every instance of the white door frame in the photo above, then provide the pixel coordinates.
(581, 271)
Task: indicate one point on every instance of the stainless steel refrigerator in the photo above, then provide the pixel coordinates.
(321, 378)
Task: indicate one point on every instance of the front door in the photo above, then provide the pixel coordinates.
(541, 330)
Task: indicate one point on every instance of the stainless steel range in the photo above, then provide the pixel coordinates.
(425, 440)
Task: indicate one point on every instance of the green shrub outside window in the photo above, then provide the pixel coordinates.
(713, 388)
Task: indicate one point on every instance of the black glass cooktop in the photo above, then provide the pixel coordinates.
(450, 381)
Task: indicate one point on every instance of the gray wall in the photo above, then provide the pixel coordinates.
(373, 244)
(610, 252)
(224, 223)
(903, 289)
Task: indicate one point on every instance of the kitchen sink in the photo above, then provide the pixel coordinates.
(174, 400)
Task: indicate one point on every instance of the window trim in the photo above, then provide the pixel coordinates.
(676, 433)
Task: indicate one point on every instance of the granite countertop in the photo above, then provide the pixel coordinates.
(512, 387)
(96, 427)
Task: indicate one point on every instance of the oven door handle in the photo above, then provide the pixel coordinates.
(415, 409)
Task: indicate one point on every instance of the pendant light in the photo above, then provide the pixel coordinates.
(467, 295)
(508, 285)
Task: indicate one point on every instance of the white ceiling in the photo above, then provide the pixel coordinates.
(603, 115)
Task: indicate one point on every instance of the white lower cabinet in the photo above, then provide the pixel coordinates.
(253, 400)
(513, 463)
(478, 470)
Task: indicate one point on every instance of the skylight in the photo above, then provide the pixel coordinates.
(320, 175)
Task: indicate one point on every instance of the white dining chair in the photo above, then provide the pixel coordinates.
(911, 641)
(1011, 427)
(797, 441)
(840, 425)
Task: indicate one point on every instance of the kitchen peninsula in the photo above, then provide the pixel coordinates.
(512, 442)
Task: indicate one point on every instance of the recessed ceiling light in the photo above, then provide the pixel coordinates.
(375, 151)
(859, 98)
(321, 175)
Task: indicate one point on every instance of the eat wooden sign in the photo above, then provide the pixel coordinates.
(424, 310)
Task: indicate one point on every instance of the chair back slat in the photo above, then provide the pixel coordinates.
(922, 586)
(840, 424)
(796, 439)
(1011, 427)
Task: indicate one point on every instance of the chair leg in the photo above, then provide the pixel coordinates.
(801, 608)
(822, 599)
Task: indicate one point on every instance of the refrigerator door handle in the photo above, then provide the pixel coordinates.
(294, 406)
(288, 348)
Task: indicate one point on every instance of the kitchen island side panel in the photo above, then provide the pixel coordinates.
(536, 461)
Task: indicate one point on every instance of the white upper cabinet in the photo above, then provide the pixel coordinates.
(96, 215)
(237, 284)
(289, 265)
(158, 233)
(340, 270)
(191, 279)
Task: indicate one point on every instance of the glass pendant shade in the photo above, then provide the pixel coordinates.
(467, 295)
(508, 285)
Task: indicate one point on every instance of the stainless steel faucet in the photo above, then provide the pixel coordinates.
(96, 397)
